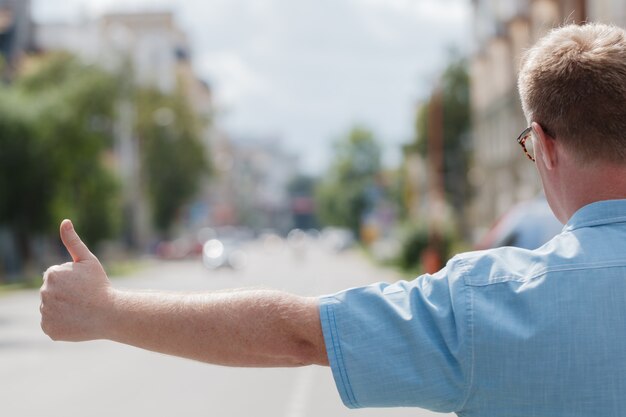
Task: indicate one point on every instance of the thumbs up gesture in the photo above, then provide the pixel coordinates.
(76, 296)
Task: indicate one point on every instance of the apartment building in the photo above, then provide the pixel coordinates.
(503, 29)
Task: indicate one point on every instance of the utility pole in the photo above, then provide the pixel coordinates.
(431, 258)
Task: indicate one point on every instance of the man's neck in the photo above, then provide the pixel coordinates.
(594, 182)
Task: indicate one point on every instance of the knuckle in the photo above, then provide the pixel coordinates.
(51, 276)
(45, 326)
(45, 293)
(49, 330)
(73, 240)
(56, 271)
(55, 274)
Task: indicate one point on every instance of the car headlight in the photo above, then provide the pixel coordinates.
(213, 249)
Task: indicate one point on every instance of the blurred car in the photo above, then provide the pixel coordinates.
(527, 225)
(226, 249)
(219, 254)
(337, 239)
(181, 248)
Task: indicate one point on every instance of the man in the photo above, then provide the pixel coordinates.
(503, 332)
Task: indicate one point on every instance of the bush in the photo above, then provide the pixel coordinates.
(417, 239)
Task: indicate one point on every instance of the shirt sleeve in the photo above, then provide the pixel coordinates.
(399, 345)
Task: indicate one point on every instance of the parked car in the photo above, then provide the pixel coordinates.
(528, 225)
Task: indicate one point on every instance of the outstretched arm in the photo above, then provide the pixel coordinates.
(235, 328)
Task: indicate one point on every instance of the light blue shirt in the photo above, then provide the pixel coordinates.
(496, 333)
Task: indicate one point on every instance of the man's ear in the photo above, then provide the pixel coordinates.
(547, 146)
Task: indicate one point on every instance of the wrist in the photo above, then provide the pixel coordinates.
(108, 315)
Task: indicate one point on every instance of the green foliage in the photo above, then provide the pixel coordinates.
(342, 197)
(413, 244)
(173, 157)
(53, 133)
(416, 239)
(25, 168)
(56, 148)
(454, 85)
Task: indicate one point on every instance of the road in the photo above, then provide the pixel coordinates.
(41, 378)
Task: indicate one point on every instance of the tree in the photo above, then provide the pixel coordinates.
(343, 197)
(172, 155)
(57, 150)
(53, 136)
(454, 84)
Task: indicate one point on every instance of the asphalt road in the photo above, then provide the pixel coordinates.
(41, 378)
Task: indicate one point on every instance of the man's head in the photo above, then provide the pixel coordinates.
(573, 84)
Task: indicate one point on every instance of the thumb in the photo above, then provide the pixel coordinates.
(77, 249)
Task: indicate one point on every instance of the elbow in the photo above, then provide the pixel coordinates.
(303, 331)
(310, 353)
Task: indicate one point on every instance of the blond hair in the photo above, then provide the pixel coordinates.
(573, 83)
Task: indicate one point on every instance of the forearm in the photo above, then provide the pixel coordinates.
(237, 328)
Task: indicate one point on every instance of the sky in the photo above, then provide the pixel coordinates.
(307, 71)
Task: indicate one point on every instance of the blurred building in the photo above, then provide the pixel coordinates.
(16, 32)
(152, 51)
(150, 44)
(255, 176)
(249, 185)
(503, 29)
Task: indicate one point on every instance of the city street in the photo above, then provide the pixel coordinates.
(41, 378)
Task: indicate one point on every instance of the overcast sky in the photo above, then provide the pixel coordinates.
(308, 70)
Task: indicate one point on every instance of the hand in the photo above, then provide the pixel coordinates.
(75, 296)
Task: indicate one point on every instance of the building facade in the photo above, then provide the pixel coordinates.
(503, 29)
(261, 172)
(16, 33)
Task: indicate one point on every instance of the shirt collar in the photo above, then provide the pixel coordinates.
(598, 213)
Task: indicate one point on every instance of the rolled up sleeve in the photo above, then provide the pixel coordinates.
(400, 345)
